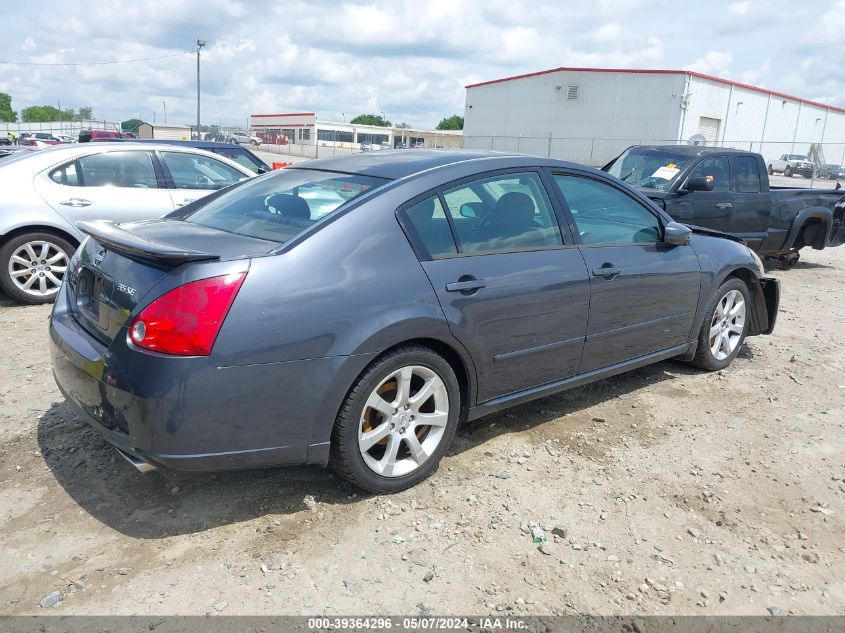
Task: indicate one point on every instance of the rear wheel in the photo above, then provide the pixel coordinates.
(771, 171)
(397, 421)
(33, 265)
(725, 326)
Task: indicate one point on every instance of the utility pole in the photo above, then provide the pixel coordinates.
(200, 44)
(164, 106)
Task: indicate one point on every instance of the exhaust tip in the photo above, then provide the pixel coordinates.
(140, 465)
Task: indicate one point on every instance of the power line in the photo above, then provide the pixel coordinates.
(116, 61)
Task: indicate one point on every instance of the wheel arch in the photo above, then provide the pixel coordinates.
(802, 219)
(40, 228)
(759, 313)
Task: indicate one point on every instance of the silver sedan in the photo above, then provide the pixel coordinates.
(46, 192)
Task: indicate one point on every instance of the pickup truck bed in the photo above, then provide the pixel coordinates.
(728, 190)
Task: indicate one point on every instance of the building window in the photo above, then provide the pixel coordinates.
(305, 134)
(338, 136)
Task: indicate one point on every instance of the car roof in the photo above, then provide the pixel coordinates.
(693, 150)
(394, 164)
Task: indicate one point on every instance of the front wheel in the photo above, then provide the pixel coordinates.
(788, 171)
(771, 171)
(33, 265)
(725, 326)
(397, 421)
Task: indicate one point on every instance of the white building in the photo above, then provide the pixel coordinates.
(304, 128)
(589, 115)
(165, 131)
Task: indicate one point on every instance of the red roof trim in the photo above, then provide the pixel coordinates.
(646, 71)
(256, 116)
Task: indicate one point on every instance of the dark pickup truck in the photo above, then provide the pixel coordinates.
(728, 190)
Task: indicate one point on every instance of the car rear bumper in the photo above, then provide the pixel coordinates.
(185, 414)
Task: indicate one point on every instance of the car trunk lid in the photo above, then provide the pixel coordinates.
(120, 264)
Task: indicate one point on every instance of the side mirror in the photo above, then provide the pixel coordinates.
(699, 183)
(467, 210)
(676, 234)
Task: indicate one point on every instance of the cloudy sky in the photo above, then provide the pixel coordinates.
(409, 59)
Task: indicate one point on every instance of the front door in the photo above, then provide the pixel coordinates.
(712, 209)
(644, 292)
(191, 176)
(512, 293)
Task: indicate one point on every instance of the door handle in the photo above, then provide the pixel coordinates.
(466, 285)
(724, 205)
(606, 271)
(76, 202)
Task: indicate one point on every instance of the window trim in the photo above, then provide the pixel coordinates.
(567, 241)
(661, 221)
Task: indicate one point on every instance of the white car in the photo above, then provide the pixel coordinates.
(45, 193)
(246, 139)
(789, 164)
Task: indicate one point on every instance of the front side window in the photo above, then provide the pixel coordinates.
(716, 170)
(606, 215)
(431, 227)
(747, 176)
(240, 156)
(278, 207)
(194, 171)
(509, 212)
(118, 169)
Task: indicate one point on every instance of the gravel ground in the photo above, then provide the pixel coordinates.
(674, 492)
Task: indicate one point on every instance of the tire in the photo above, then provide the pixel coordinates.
(394, 424)
(705, 357)
(771, 171)
(787, 171)
(14, 275)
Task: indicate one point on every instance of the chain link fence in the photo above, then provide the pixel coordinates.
(64, 128)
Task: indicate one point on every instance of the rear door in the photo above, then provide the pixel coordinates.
(751, 204)
(713, 209)
(191, 176)
(120, 186)
(644, 292)
(515, 293)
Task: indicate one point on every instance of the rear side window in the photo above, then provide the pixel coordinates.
(431, 229)
(500, 214)
(278, 207)
(119, 169)
(747, 176)
(66, 175)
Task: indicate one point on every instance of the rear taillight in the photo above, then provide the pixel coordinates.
(186, 320)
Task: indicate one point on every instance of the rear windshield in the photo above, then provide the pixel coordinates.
(280, 205)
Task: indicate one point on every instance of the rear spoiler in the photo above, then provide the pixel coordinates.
(132, 245)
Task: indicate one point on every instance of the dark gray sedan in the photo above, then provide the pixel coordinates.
(354, 311)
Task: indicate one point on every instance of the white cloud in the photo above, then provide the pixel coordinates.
(712, 63)
(739, 8)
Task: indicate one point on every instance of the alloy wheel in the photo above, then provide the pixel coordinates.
(403, 421)
(727, 325)
(38, 267)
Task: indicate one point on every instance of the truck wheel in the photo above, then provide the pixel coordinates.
(788, 172)
(397, 421)
(33, 265)
(771, 171)
(725, 326)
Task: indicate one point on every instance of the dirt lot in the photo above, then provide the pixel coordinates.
(681, 492)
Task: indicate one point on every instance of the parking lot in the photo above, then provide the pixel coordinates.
(681, 492)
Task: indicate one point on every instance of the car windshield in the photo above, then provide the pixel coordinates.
(281, 205)
(648, 168)
(796, 157)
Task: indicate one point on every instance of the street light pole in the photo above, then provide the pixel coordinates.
(200, 44)
(164, 105)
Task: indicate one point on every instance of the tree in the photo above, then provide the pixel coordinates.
(131, 125)
(7, 115)
(403, 125)
(35, 114)
(453, 122)
(371, 119)
(86, 113)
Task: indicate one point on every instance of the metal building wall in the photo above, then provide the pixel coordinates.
(612, 111)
